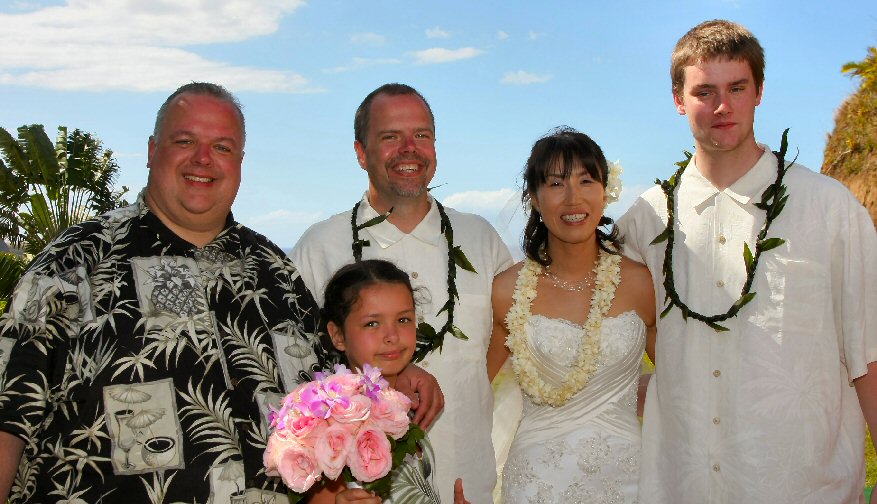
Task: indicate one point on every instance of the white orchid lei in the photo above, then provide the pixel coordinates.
(613, 182)
(608, 275)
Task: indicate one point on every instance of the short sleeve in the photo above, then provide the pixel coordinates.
(42, 320)
(630, 228)
(857, 303)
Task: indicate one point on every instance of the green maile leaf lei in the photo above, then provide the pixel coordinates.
(428, 339)
(773, 200)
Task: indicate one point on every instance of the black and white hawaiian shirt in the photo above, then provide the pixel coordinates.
(138, 367)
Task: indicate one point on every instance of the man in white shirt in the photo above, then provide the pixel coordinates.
(755, 398)
(395, 144)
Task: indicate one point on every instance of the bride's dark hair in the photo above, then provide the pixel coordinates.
(570, 149)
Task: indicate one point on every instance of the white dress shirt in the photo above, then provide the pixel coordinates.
(461, 434)
(765, 412)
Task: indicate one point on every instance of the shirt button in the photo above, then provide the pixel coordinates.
(414, 275)
(716, 468)
(717, 420)
(234, 382)
(717, 373)
(720, 283)
(722, 239)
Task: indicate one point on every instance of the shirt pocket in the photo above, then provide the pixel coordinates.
(792, 295)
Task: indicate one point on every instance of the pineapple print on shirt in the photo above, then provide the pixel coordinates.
(169, 285)
(173, 302)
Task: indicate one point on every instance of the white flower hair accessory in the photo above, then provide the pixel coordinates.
(613, 184)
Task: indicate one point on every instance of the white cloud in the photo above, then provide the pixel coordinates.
(488, 204)
(534, 35)
(106, 44)
(358, 63)
(501, 35)
(286, 217)
(436, 32)
(523, 78)
(442, 55)
(368, 39)
(502, 208)
(286, 224)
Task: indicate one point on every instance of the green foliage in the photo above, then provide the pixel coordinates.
(870, 462)
(12, 267)
(47, 187)
(852, 146)
(865, 69)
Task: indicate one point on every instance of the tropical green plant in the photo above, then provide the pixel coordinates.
(47, 187)
(865, 69)
(12, 266)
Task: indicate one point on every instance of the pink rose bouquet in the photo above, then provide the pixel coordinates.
(346, 424)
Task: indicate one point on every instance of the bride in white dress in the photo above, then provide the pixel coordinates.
(575, 317)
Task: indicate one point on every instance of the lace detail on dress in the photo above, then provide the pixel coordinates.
(593, 454)
(561, 344)
(554, 452)
(520, 475)
(620, 336)
(629, 397)
(560, 339)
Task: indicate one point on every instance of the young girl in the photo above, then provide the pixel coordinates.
(370, 317)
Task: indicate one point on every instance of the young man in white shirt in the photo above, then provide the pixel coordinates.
(395, 144)
(756, 398)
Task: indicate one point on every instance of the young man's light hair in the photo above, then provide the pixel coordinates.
(716, 39)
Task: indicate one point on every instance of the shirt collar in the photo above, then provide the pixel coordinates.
(386, 233)
(226, 239)
(744, 190)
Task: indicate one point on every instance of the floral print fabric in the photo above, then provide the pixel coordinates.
(140, 367)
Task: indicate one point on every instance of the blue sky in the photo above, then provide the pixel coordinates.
(498, 74)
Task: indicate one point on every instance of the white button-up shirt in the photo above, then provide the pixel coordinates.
(461, 434)
(764, 412)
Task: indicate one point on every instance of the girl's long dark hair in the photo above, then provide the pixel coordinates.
(342, 292)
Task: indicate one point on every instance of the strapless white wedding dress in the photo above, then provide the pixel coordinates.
(587, 450)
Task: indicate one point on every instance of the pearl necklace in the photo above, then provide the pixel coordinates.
(578, 286)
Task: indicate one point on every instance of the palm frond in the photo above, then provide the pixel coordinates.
(46, 187)
(42, 164)
(252, 356)
(211, 422)
(11, 269)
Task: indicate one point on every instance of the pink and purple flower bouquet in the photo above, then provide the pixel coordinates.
(346, 424)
